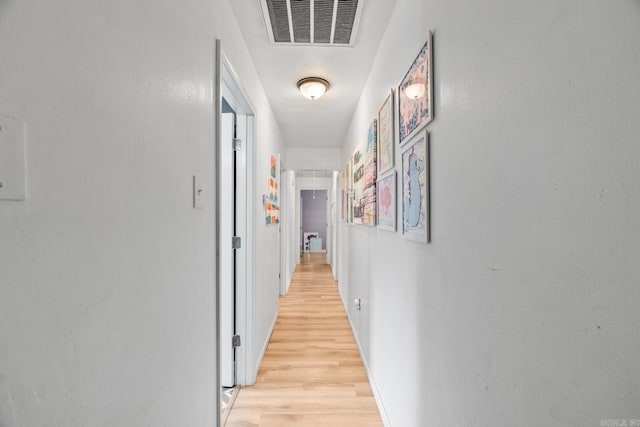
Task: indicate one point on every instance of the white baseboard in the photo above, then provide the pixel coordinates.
(266, 344)
(372, 383)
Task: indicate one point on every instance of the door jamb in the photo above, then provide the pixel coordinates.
(227, 82)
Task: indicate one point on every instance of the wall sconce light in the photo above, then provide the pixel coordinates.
(415, 89)
(313, 87)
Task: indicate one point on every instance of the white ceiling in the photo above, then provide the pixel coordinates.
(321, 123)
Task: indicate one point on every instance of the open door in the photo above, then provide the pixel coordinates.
(235, 123)
(227, 251)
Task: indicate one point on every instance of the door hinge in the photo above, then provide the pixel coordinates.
(236, 242)
(235, 341)
(237, 144)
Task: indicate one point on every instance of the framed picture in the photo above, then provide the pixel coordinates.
(309, 238)
(272, 204)
(415, 188)
(364, 179)
(385, 135)
(345, 179)
(386, 189)
(415, 94)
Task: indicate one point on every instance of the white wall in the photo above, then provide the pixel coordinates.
(524, 308)
(290, 246)
(266, 268)
(106, 271)
(334, 214)
(300, 158)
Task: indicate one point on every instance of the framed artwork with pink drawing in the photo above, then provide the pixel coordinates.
(386, 199)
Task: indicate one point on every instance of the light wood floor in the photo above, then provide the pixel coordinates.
(311, 374)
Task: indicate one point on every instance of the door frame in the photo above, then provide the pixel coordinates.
(227, 85)
(305, 185)
(228, 201)
(327, 209)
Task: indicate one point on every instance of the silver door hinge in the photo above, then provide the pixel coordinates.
(235, 341)
(237, 144)
(236, 242)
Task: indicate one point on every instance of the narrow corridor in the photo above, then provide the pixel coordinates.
(312, 374)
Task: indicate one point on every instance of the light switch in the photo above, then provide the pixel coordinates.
(12, 159)
(197, 192)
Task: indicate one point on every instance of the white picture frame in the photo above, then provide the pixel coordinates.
(386, 196)
(415, 197)
(386, 143)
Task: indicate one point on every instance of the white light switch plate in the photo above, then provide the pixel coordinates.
(12, 159)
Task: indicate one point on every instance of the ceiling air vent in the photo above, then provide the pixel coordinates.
(317, 22)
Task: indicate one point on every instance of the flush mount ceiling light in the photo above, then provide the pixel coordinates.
(313, 87)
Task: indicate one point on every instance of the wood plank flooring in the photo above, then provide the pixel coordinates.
(311, 374)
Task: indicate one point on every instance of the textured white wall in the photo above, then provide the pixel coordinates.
(290, 246)
(106, 280)
(334, 215)
(266, 288)
(524, 308)
(299, 158)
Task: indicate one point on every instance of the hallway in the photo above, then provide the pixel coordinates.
(311, 374)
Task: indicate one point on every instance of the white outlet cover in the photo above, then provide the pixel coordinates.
(12, 159)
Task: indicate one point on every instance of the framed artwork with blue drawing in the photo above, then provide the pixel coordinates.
(415, 94)
(415, 188)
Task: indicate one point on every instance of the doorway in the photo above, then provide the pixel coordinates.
(234, 230)
(228, 232)
(313, 220)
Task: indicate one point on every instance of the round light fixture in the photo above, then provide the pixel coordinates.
(313, 87)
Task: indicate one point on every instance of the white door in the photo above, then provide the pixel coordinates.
(227, 255)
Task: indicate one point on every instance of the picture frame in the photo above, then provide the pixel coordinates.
(386, 135)
(415, 94)
(307, 240)
(346, 179)
(386, 199)
(364, 178)
(272, 202)
(415, 188)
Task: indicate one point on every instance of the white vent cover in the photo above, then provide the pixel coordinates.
(318, 22)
